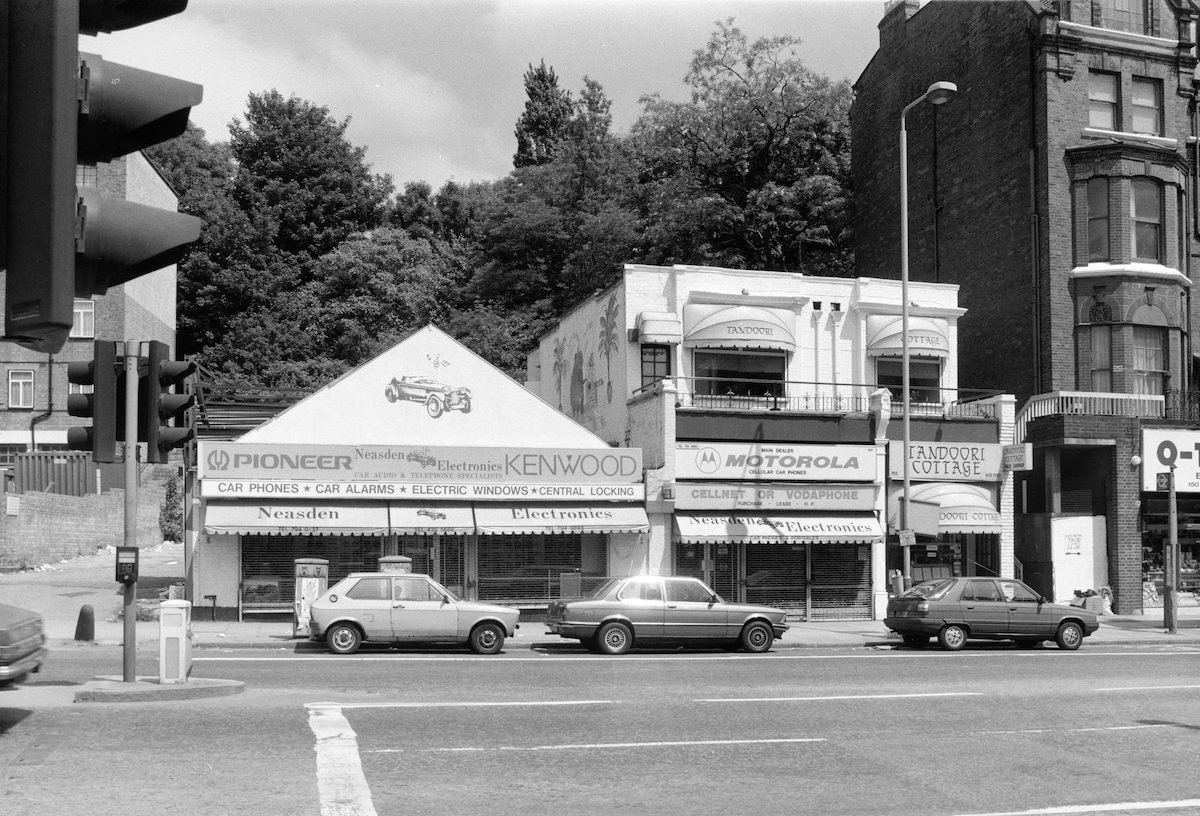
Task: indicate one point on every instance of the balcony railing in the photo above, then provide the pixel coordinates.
(732, 394)
(1092, 403)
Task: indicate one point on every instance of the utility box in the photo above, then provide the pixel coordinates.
(395, 563)
(174, 641)
(312, 579)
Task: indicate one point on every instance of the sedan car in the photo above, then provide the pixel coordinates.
(407, 608)
(22, 644)
(650, 609)
(957, 609)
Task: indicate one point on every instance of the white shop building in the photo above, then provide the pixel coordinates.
(425, 451)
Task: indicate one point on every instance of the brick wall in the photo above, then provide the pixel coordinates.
(45, 528)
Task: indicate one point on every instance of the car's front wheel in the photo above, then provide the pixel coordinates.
(435, 407)
(487, 639)
(614, 638)
(1069, 636)
(343, 638)
(757, 637)
(952, 637)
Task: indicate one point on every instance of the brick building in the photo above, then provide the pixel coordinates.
(1058, 190)
(33, 405)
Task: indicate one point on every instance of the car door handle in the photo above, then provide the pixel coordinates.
(397, 606)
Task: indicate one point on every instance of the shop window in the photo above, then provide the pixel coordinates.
(1097, 203)
(1147, 106)
(924, 379)
(1150, 373)
(1101, 358)
(1103, 107)
(1146, 211)
(656, 363)
(739, 373)
(20, 389)
(83, 321)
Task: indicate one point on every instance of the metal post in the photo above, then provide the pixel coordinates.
(937, 94)
(1171, 560)
(129, 649)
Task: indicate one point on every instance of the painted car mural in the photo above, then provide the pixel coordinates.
(438, 398)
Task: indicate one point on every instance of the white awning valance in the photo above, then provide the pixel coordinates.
(662, 328)
(776, 528)
(295, 518)
(560, 518)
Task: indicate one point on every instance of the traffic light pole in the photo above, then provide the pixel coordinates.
(131, 479)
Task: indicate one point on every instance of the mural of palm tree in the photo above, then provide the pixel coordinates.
(560, 365)
(609, 338)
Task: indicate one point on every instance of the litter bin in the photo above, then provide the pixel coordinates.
(174, 641)
(395, 563)
(896, 581)
(312, 579)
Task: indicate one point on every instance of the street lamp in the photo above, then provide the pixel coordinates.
(937, 94)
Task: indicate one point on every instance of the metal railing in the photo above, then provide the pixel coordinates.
(1093, 403)
(799, 396)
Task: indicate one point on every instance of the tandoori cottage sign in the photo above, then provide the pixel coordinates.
(243, 470)
(948, 461)
(752, 461)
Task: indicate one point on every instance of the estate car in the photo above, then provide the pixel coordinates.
(957, 609)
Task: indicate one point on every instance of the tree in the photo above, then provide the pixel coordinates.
(754, 169)
(170, 514)
(543, 123)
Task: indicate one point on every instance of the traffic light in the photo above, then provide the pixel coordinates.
(64, 108)
(161, 412)
(104, 405)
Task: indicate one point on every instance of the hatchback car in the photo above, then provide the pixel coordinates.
(646, 609)
(22, 644)
(955, 610)
(406, 608)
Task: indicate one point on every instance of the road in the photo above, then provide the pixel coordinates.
(556, 731)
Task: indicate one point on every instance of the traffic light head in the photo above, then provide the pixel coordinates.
(64, 108)
(103, 404)
(162, 414)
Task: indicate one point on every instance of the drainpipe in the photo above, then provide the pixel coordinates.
(33, 423)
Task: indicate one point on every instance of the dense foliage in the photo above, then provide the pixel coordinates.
(310, 264)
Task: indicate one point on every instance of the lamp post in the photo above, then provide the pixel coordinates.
(937, 94)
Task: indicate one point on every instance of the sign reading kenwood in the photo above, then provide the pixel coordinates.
(755, 462)
(406, 464)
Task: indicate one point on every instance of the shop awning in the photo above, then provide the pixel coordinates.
(962, 507)
(711, 326)
(295, 518)
(927, 337)
(776, 528)
(560, 518)
(446, 518)
(663, 328)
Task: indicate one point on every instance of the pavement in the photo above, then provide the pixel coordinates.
(60, 591)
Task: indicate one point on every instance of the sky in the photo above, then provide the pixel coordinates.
(433, 88)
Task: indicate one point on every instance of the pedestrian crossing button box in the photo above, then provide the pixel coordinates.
(127, 565)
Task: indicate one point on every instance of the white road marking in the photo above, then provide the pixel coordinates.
(1147, 688)
(1075, 730)
(838, 697)
(1110, 807)
(597, 746)
(475, 704)
(341, 784)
